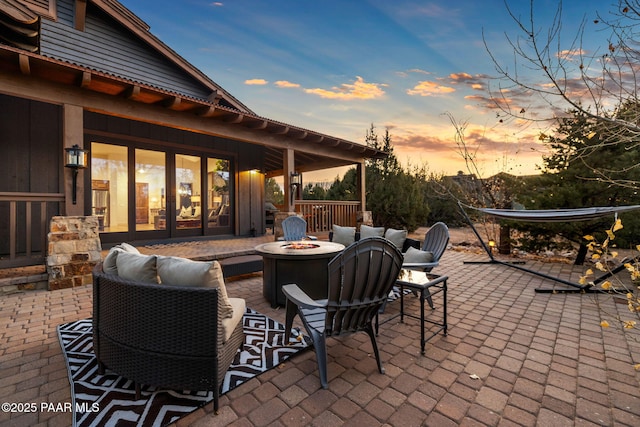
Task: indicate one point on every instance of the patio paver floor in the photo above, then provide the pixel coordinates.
(541, 359)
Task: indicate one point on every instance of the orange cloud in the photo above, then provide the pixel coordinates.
(427, 88)
(284, 83)
(347, 92)
(256, 82)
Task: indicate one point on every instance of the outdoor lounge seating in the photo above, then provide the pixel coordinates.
(360, 278)
(180, 334)
(348, 235)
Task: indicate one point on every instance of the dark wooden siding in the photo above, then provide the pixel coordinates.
(107, 46)
(30, 159)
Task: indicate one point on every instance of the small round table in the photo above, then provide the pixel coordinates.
(301, 262)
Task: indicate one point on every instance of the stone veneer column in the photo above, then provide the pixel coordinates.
(74, 249)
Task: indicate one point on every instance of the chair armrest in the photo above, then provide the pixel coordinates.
(426, 266)
(300, 298)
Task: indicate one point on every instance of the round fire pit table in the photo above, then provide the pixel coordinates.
(301, 262)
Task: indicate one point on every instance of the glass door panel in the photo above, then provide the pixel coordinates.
(150, 182)
(109, 187)
(219, 202)
(188, 192)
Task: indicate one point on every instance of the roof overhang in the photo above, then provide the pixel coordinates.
(306, 143)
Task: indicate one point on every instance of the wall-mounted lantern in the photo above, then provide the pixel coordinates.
(295, 181)
(75, 158)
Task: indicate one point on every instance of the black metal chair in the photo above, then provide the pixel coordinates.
(360, 279)
(436, 240)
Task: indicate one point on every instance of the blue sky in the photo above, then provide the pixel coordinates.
(338, 66)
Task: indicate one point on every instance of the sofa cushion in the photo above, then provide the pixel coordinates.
(229, 324)
(368, 231)
(343, 235)
(109, 264)
(178, 271)
(132, 266)
(416, 256)
(397, 237)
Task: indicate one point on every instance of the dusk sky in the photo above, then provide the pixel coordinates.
(337, 67)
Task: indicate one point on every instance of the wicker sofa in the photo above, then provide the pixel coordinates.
(175, 337)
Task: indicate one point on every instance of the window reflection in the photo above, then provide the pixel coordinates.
(109, 187)
(150, 195)
(218, 190)
(188, 185)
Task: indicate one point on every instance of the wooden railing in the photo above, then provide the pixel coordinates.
(322, 214)
(25, 218)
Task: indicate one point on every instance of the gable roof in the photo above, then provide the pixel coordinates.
(314, 150)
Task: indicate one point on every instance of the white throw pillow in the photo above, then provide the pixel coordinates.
(343, 235)
(416, 256)
(176, 271)
(397, 237)
(109, 264)
(368, 231)
(138, 267)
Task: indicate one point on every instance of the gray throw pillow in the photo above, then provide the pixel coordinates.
(138, 267)
(368, 231)
(397, 237)
(343, 235)
(178, 271)
(109, 264)
(416, 256)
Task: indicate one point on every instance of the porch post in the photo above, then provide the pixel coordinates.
(363, 216)
(73, 133)
(289, 165)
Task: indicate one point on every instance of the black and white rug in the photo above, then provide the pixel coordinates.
(104, 400)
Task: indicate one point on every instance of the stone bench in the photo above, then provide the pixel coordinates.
(240, 264)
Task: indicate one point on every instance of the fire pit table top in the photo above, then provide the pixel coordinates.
(299, 248)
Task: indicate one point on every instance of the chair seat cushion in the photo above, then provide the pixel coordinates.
(229, 324)
(178, 271)
(416, 256)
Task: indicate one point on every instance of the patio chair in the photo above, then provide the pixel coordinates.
(295, 228)
(435, 242)
(359, 280)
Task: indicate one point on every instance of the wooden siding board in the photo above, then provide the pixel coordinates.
(108, 47)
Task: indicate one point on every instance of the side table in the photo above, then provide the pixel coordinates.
(427, 285)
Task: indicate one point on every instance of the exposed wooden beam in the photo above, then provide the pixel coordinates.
(214, 97)
(171, 102)
(260, 125)
(80, 16)
(132, 92)
(85, 80)
(235, 119)
(283, 131)
(206, 111)
(25, 67)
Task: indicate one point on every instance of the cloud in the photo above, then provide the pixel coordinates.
(284, 83)
(347, 91)
(217, 4)
(257, 82)
(429, 88)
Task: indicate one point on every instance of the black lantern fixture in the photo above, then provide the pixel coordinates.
(295, 181)
(75, 158)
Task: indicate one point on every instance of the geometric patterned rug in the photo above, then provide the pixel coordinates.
(103, 400)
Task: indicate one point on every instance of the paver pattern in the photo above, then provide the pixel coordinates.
(513, 357)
